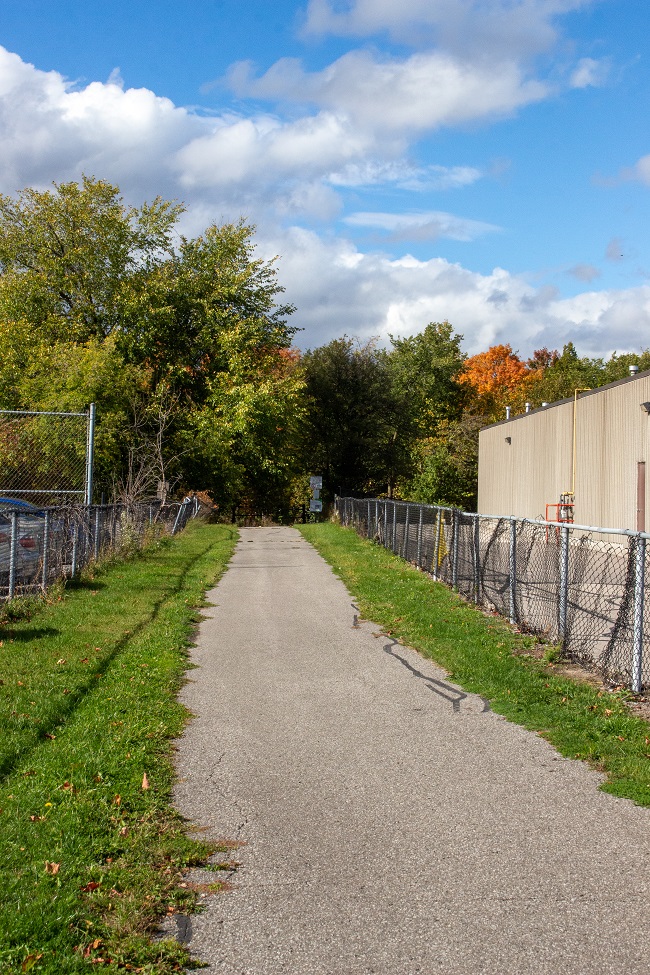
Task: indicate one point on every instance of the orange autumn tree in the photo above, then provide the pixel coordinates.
(496, 379)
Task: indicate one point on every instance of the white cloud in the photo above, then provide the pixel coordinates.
(590, 73)
(273, 171)
(405, 176)
(339, 289)
(584, 272)
(421, 226)
(615, 250)
(397, 97)
(639, 173)
(513, 28)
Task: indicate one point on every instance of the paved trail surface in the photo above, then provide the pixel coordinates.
(391, 823)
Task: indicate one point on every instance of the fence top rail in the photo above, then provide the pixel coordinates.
(38, 413)
(626, 532)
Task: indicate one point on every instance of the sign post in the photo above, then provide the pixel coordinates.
(316, 485)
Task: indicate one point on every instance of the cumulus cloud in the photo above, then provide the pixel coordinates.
(273, 171)
(339, 288)
(421, 226)
(398, 97)
(496, 27)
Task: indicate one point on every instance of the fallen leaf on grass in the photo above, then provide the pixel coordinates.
(145, 781)
(62, 661)
(29, 962)
(49, 736)
(37, 819)
(52, 868)
(87, 888)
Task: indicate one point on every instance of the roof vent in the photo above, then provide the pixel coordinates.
(633, 370)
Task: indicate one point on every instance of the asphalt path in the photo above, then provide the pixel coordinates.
(383, 820)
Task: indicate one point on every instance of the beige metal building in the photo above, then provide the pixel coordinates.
(593, 446)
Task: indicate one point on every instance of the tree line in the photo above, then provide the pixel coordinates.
(187, 348)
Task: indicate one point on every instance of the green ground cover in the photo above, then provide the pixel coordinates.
(486, 656)
(90, 852)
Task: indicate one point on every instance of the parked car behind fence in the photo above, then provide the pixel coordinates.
(40, 545)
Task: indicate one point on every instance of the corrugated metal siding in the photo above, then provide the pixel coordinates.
(612, 434)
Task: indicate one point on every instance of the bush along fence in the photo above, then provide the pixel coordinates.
(579, 586)
(39, 546)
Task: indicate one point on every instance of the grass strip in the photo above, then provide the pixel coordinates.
(91, 852)
(486, 656)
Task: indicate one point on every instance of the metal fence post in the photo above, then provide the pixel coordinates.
(369, 532)
(13, 544)
(564, 586)
(377, 533)
(477, 560)
(454, 558)
(90, 453)
(405, 549)
(419, 551)
(394, 545)
(513, 571)
(46, 545)
(436, 547)
(639, 594)
(97, 530)
(75, 542)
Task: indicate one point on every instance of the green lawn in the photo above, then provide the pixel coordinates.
(90, 850)
(485, 656)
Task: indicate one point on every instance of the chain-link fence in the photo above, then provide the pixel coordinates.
(40, 545)
(46, 457)
(569, 583)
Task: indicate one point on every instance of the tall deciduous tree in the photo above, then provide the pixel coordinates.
(354, 429)
(93, 289)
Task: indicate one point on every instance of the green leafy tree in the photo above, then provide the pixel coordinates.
(169, 336)
(68, 254)
(356, 429)
(424, 370)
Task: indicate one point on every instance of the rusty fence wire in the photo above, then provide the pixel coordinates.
(39, 546)
(579, 586)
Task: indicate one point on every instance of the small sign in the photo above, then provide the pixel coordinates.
(315, 505)
(316, 483)
(315, 494)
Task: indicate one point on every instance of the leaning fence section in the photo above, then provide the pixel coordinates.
(38, 546)
(570, 584)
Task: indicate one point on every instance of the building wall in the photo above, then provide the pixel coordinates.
(612, 435)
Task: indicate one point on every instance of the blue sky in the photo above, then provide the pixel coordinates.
(481, 161)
